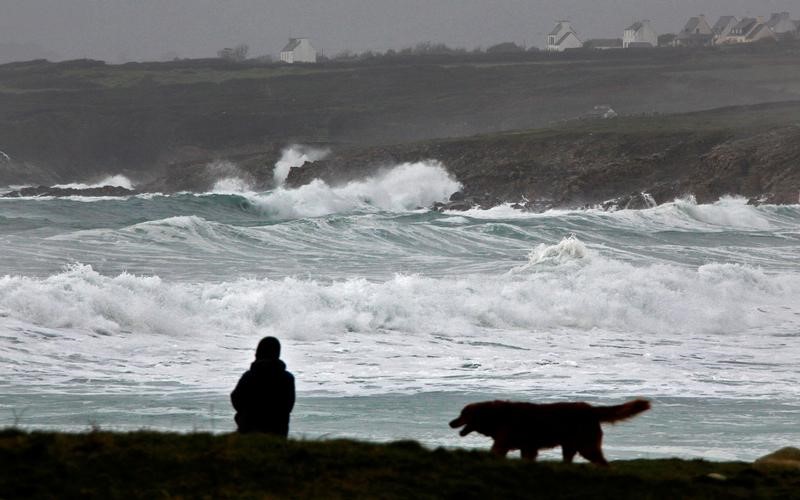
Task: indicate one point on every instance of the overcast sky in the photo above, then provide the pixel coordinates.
(122, 30)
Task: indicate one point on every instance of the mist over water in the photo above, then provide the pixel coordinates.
(144, 310)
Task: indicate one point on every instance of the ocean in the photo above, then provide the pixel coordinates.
(142, 312)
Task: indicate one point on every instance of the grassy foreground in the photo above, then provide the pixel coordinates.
(157, 465)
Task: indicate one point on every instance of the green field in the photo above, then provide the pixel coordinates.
(155, 465)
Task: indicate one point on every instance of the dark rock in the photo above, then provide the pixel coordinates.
(457, 196)
(633, 201)
(539, 206)
(460, 206)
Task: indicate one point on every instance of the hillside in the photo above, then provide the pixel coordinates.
(75, 120)
(751, 151)
(149, 465)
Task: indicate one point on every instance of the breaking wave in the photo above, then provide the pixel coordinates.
(544, 294)
(113, 180)
(409, 186)
(295, 156)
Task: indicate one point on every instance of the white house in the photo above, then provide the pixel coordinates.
(563, 37)
(299, 50)
(749, 30)
(639, 34)
(696, 33)
(722, 29)
(782, 25)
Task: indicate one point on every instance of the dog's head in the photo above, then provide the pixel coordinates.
(474, 417)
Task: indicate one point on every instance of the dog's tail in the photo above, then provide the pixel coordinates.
(621, 412)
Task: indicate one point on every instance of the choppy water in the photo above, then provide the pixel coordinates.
(143, 312)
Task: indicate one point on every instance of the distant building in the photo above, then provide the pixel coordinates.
(603, 43)
(640, 34)
(749, 30)
(299, 50)
(782, 25)
(563, 37)
(696, 33)
(723, 28)
(667, 40)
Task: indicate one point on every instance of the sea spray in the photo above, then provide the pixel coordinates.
(229, 178)
(295, 156)
(408, 186)
(231, 185)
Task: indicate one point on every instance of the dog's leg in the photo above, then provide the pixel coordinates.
(529, 453)
(499, 450)
(568, 454)
(594, 455)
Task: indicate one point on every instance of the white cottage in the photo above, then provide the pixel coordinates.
(563, 37)
(782, 25)
(299, 50)
(722, 29)
(749, 30)
(639, 34)
(696, 33)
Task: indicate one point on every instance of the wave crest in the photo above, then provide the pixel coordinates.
(112, 180)
(408, 186)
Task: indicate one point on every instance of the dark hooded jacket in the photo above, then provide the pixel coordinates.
(264, 397)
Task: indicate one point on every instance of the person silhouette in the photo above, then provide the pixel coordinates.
(264, 396)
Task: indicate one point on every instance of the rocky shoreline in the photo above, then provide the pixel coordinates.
(624, 163)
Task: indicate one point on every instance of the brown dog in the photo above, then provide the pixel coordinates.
(530, 427)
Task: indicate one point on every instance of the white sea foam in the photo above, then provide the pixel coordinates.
(728, 213)
(405, 187)
(231, 185)
(669, 329)
(112, 180)
(568, 249)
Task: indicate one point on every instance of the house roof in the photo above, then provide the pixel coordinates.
(781, 23)
(723, 23)
(777, 18)
(293, 43)
(691, 25)
(634, 27)
(561, 26)
(745, 25)
(757, 30)
(696, 23)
